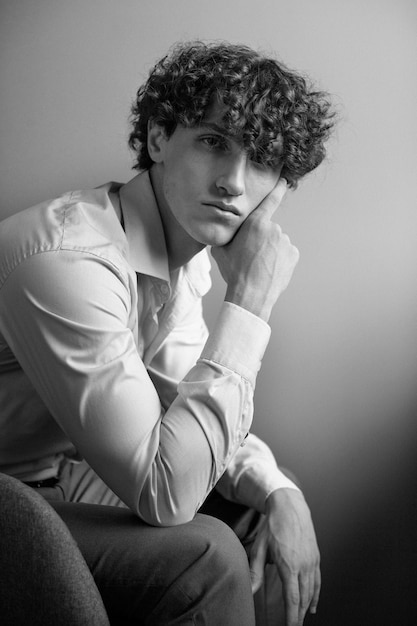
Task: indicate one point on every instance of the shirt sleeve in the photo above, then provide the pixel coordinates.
(252, 474)
(65, 315)
(179, 352)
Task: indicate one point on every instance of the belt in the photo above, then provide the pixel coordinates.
(48, 482)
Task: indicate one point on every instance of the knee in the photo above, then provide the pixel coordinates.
(219, 585)
(223, 551)
(222, 569)
(198, 573)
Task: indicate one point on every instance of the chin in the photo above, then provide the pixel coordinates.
(216, 239)
(217, 242)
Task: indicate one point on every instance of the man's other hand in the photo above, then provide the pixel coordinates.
(287, 538)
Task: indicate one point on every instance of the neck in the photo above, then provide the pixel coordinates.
(181, 247)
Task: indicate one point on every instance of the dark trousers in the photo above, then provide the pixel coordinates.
(195, 573)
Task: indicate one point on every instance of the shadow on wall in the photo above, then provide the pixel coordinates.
(370, 574)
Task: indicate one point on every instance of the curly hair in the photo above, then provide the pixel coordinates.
(276, 114)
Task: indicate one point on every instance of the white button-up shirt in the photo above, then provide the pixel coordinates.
(104, 354)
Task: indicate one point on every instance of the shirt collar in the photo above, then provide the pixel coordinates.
(147, 252)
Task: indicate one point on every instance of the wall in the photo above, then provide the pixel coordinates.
(336, 396)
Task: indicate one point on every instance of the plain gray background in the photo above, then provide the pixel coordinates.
(336, 397)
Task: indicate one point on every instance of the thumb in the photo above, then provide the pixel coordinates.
(257, 562)
(271, 202)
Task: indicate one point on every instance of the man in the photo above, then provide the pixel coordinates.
(112, 393)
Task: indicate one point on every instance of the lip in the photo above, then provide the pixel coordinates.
(223, 206)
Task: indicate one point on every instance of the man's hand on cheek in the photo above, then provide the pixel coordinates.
(258, 263)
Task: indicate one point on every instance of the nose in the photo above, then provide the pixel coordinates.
(231, 179)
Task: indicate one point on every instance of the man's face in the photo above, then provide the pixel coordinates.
(209, 183)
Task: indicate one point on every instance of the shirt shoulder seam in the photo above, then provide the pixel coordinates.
(59, 248)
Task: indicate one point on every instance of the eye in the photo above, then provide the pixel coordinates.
(214, 142)
(259, 165)
(261, 168)
(266, 165)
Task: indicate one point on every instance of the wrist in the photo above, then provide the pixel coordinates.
(280, 496)
(249, 300)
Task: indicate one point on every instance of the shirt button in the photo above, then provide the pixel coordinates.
(244, 441)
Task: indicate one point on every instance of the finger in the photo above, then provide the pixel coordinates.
(306, 593)
(270, 204)
(316, 592)
(292, 600)
(257, 564)
(312, 580)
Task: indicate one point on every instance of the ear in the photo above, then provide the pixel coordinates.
(157, 140)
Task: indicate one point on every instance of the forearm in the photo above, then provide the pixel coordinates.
(216, 396)
(253, 475)
(94, 384)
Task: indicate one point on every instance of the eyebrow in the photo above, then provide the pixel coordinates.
(213, 126)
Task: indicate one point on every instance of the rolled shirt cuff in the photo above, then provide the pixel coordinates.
(238, 341)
